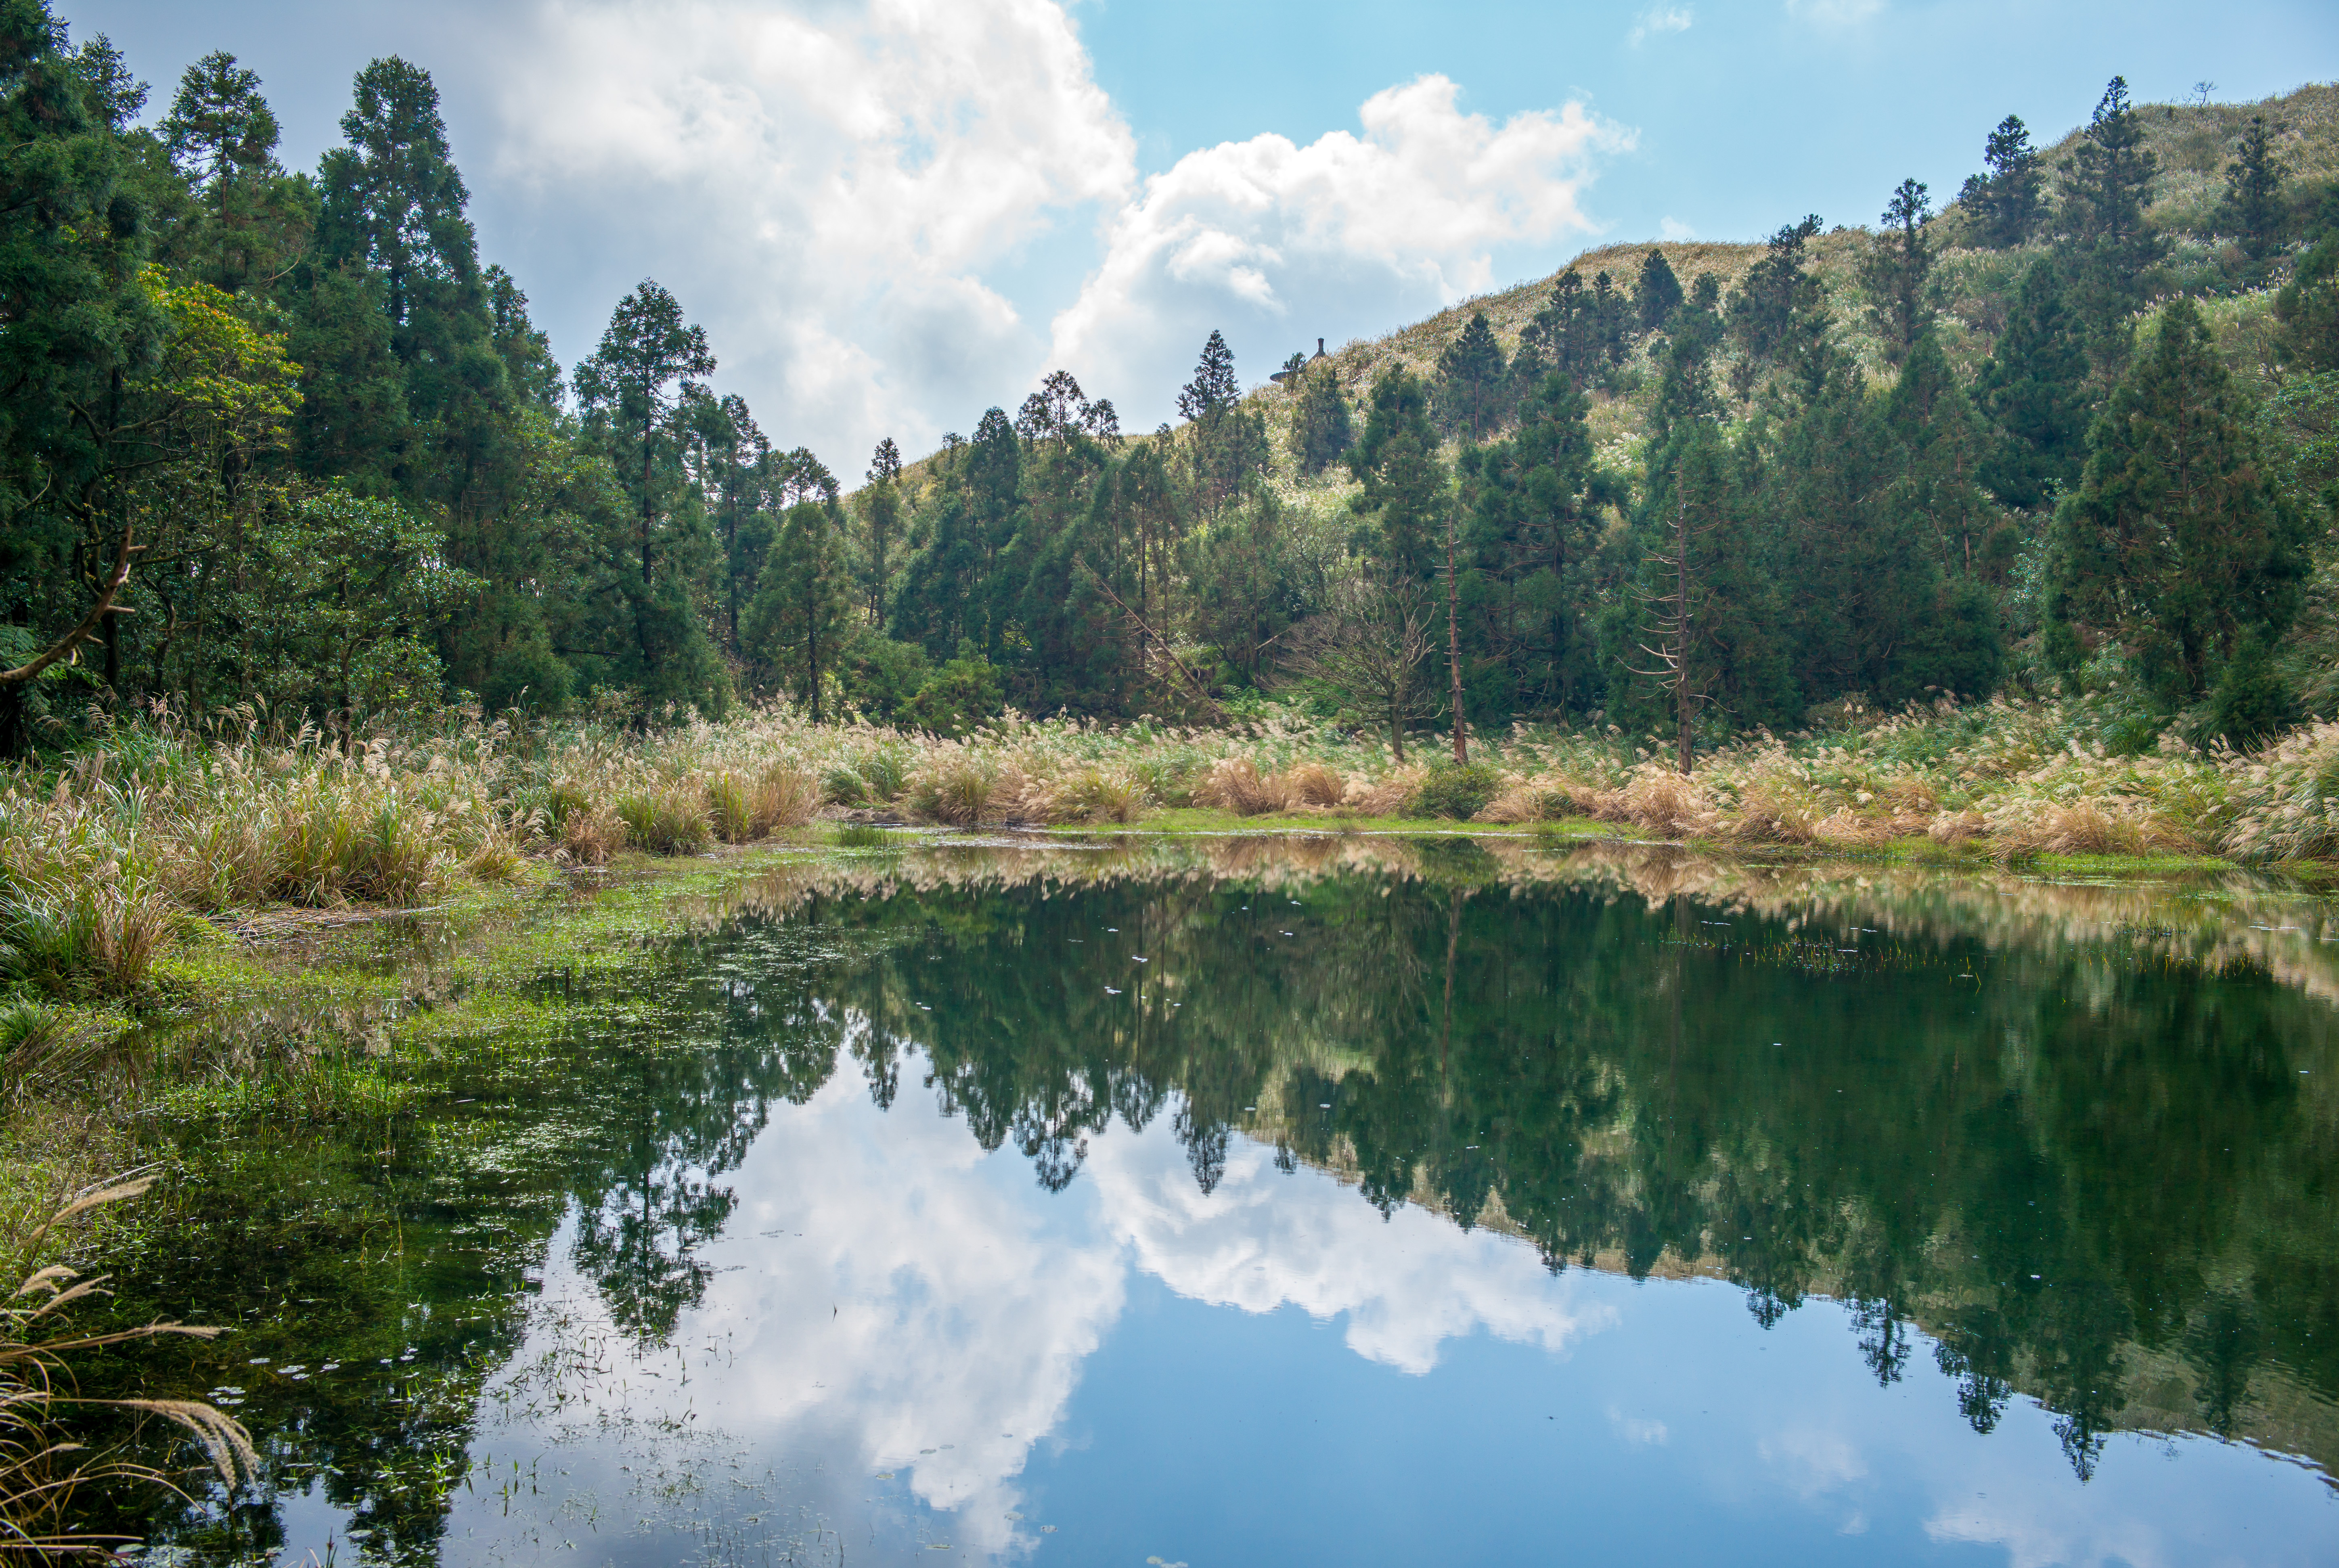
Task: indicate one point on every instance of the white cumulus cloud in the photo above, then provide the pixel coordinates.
(1658, 19)
(1278, 243)
(830, 189)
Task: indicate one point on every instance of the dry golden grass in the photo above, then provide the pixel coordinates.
(42, 1469)
(1315, 783)
(2087, 827)
(1236, 784)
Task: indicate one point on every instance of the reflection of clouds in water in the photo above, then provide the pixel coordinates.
(1635, 1430)
(925, 1309)
(1261, 1239)
(887, 1297)
(931, 1315)
(2154, 1514)
(1812, 1461)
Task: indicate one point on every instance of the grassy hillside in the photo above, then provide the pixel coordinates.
(2193, 143)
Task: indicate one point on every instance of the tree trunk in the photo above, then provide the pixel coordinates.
(1454, 647)
(1681, 672)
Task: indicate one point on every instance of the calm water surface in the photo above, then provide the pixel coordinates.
(1337, 1202)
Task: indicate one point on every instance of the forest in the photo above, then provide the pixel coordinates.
(279, 443)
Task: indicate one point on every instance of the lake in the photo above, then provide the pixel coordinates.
(1338, 1200)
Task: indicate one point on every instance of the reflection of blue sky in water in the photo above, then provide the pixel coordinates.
(1267, 1374)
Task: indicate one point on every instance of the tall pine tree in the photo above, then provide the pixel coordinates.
(2176, 544)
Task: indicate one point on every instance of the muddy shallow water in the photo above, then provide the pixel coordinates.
(1335, 1201)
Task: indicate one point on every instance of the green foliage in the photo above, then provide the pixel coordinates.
(2009, 199)
(2107, 184)
(2176, 542)
(1404, 483)
(2251, 700)
(963, 693)
(1456, 790)
(1897, 267)
(2034, 389)
(1320, 426)
(2256, 211)
(2308, 309)
(1470, 381)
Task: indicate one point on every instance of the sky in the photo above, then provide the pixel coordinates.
(891, 214)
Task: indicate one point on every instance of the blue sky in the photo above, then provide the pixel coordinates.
(889, 213)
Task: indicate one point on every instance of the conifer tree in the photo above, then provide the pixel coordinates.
(626, 390)
(2176, 542)
(1897, 265)
(880, 525)
(1321, 430)
(2254, 211)
(1658, 294)
(1214, 389)
(2308, 309)
(73, 319)
(797, 623)
(2034, 389)
(1470, 379)
(1405, 484)
(221, 135)
(2005, 202)
(1775, 294)
(2108, 182)
(1227, 448)
(1564, 335)
(1944, 442)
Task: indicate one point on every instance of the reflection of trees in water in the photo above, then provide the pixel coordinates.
(1693, 1084)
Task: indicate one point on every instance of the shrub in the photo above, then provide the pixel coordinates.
(1094, 794)
(1456, 790)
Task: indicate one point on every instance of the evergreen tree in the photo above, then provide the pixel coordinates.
(1775, 295)
(1898, 264)
(2176, 542)
(1535, 504)
(2308, 309)
(1658, 294)
(1943, 442)
(1470, 379)
(2007, 202)
(1214, 389)
(392, 199)
(221, 135)
(2256, 211)
(74, 319)
(625, 389)
(1405, 484)
(2107, 183)
(1226, 448)
(1564, 335)
(2034, 389)
(797, 624)
(1320, 428)
(881, 525)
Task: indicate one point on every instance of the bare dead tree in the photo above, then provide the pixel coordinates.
(1369, 644)
(1673, 623)
(1453, 646)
